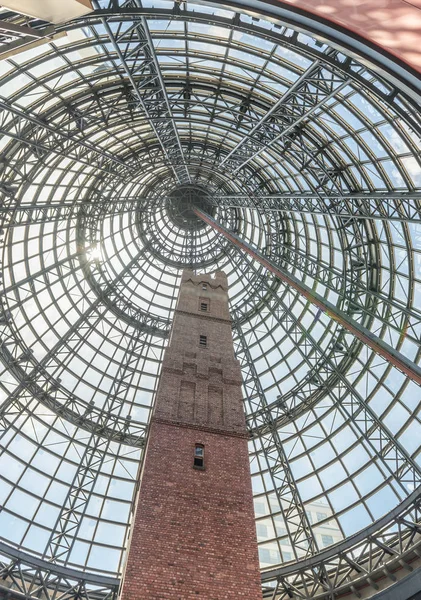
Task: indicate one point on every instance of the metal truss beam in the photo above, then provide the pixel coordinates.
(34, 215)
(291, 505)
(148, 86)
(394, 357)
(44, 138)
(403, 207)
(66, 529)
(14, 30)
(306, 582)
(245, 146)
(357, 561)
(328, 375)
(304, 98)
(16, 38)
(415, 195)
(39, 384)
(50, 212)
(26, 577)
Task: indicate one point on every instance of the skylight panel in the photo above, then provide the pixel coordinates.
(214, 106)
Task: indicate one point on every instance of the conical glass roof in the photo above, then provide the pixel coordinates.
(111, 135)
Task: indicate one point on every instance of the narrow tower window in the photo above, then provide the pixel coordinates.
(203, 341)
(204, 286)
(199, 456)
(204, 305)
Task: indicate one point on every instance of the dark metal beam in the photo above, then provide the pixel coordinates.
(382, 206)
(404, 207)
(35, 383)
(68, 523)
(29, 129)
(20, 31)
(355, 562)
(150, 92)
(309, 94)
(27, 577)
(394, 357)
(286, 489)
(16, 38)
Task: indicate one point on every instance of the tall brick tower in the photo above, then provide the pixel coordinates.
(193, 534)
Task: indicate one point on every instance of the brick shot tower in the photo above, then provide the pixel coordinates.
(193, 533)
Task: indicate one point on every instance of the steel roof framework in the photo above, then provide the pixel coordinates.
(304, 154)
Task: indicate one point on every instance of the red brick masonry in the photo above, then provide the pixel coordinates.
(194, 535)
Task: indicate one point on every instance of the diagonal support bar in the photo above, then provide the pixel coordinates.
(401, 207)
(150, 92)
(44, 138)
(250, 137)
(382, 206)
(397, 359)
(305, 98)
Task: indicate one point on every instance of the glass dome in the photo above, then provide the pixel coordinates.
(112, 134)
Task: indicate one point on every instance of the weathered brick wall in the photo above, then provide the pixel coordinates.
(193, 534)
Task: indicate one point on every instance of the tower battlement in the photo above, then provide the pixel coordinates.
(214, 280)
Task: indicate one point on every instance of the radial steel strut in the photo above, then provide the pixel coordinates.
(397, 359)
